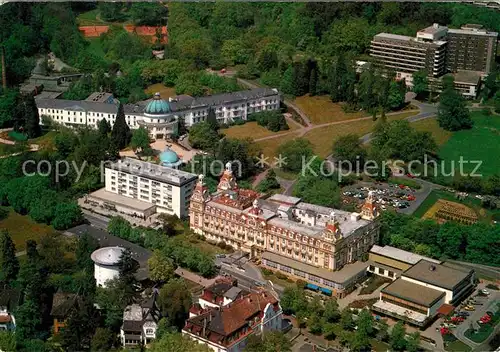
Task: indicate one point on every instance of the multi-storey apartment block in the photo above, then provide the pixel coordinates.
(141, 189)
(157, 115)
(466, 53)
(318, 243)
(471, 48)
(407, 55)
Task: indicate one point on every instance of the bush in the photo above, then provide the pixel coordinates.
(492, 287)
(267, 272)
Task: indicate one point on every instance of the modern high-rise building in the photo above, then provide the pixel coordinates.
(437, 50)
(471, 48)
(406, 55)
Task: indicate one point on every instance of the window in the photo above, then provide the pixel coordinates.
(150, 331)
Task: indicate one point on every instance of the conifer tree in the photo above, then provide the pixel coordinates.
(120, 135)
(9, 265)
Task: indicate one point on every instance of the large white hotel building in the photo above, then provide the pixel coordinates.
(159, 116)
(140, 189)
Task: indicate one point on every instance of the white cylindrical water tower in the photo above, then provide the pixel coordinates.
(106, 264)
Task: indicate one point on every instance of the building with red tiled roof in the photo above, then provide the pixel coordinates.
(320, 245)
(227, 328)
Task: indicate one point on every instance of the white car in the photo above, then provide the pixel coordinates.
(485, 291)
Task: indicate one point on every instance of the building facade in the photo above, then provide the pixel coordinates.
(422, 290)
(390, 262)
(282, 226)
(471, 48)
(158, 116)
(227, 328)
(140, 322)
(467, 53)
(137, 189)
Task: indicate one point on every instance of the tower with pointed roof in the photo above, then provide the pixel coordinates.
(200, 196)
(369, 211)
(332, 228)
(227, 181)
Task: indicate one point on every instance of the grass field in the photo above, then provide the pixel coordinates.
(269, 147)
(323, 138)
(431, 125)
(22, 228)
(253, 130)
(321, 109)
(6, 149)
(165, 92)
(45, 141)
(457, 346)
(479, 143)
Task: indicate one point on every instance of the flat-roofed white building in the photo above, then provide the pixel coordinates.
(140, 189)
(390, 261)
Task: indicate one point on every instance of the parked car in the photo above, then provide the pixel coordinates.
(485, 291)
(470, 308)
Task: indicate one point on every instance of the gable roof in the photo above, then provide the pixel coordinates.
(62, 303)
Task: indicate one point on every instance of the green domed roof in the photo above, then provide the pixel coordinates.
(168, 156)
(157, 106)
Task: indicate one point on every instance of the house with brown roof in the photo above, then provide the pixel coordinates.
(62, 304)
(226, 329)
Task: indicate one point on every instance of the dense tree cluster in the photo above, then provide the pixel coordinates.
(453, 114)
(474, 243)
(269, 183)
(272, 120)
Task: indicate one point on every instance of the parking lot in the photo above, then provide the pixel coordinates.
(387, 196)
(464, 319)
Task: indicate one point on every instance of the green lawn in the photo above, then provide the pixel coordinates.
(457, 346)
(479, 143)
(6, 149)
(22, 228)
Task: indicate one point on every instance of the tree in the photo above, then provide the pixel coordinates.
(331, 312)
(396, 96)
(453, 114)
(383, 330)
(7, 341)
(169, 223)
(420, 82)
(152, 14)
(294, 152)
(413, 342)
(346, 320)
(102, 340)
(491, 85)
(80, 326)
(174, 301)
(365, 322)
(140, 140)
(272, 341)
(397, 339)
(313, 81)
(496, 102)
(66, 215)
(268, 183)
(176, 342)
(212, 119)
(349, 148)
(161, 268)
(202, 136)
(104, 127)
(120, 135)
(85, 246)
(25, 116)
(9, 264)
